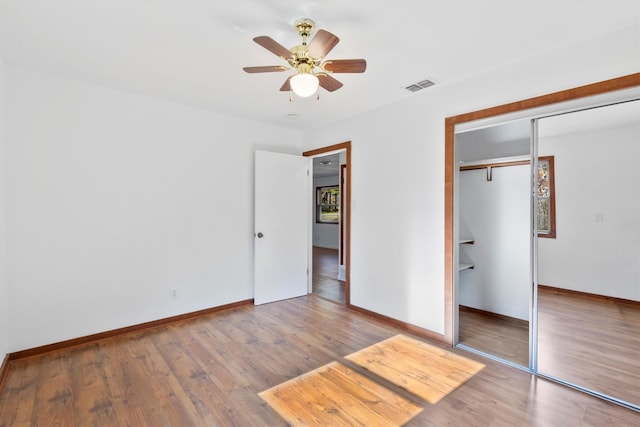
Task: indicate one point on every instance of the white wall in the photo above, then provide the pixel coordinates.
(397, 248)
(496, 214)
(4, 289)
(597, 181)
(114, 199)
(325, 235)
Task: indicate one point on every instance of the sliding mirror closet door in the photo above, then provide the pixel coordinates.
(589, 272)
(493, 230)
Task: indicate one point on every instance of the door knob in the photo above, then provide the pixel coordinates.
(260, 235)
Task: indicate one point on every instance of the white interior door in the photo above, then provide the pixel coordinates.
(281, 226)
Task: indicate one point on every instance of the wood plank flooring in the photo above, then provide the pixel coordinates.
(208, 372)
(591, 342)
(334, 395)
(424, 370)
(502, 337)
(325, 273)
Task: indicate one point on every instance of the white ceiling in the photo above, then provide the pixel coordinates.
(193, 51)
(325, 166)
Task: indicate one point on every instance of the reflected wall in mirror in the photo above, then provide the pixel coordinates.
(589, 275)
(494, 251)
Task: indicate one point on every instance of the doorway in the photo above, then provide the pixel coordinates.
(326, 222)
(329, 252)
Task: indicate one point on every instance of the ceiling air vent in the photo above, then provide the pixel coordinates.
(419, 86)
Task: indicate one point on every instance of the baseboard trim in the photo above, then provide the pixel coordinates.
(408, 327)
(4, 371)
(514, 320)
(589, 295)
(101, 336)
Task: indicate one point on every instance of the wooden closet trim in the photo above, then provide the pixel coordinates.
(619, 83)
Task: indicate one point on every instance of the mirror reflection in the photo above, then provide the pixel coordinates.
(494, 284)
(589, 274)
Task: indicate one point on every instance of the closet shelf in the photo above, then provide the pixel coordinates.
(465, 241)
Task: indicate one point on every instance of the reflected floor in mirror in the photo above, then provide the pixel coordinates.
(504, 337)
(590, 341)
(593, 342)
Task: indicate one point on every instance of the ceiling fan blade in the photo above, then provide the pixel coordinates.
(273, 46)
(322, 44)
(328, 82)
(286, 87)
(345, 65)
(265, 69)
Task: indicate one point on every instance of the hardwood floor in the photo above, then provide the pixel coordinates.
(500, 336)
(335, 395)
(325, 273)
(591, 342)
(208, 372)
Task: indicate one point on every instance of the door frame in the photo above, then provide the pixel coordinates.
(343, 179)
(346, 146)
(599, 88)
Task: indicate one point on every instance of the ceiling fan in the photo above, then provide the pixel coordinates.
(308, 61)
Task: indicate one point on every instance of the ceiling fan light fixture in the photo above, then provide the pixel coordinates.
(305, 84)
(308, 60)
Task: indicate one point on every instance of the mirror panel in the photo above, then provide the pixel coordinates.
(589, 274)
(494, 240)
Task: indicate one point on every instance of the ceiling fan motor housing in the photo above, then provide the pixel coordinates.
(304, 27)
(301, 60)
